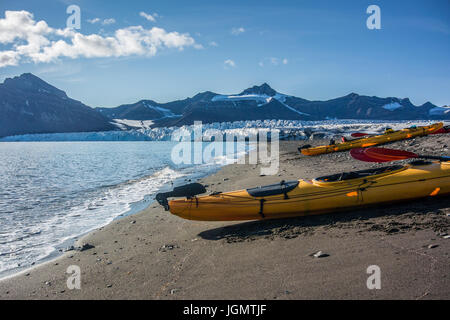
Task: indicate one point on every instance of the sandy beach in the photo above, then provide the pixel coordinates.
(155, 255)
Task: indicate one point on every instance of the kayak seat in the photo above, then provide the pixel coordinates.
(273, 189)
(357, 174)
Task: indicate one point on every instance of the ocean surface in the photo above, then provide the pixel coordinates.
(53, 192)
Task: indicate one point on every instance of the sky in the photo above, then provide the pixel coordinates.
(125, 51)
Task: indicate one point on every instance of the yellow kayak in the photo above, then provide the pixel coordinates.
(389, 136)
(321, 195)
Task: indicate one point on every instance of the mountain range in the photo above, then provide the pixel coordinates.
(30, 105)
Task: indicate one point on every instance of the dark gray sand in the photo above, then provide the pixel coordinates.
(155, 255)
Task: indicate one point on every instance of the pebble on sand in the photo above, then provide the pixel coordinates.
(166, 247)
(431, 246)
(320, 254)
(85, 246)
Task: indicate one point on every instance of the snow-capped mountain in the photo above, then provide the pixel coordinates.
(31, 105)
(141, 110)
(263, 102)
(256, 103)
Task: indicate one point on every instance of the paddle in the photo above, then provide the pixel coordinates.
(359, 154)
(386, 155)
(359, 134)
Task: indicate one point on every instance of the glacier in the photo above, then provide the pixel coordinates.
(289, 130)
(124, 124)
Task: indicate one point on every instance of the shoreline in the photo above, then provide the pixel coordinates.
(145, 203)
(155, 255)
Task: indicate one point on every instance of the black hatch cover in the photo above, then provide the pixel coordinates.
(273, 189)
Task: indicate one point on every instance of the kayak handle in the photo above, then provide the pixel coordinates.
(188, 191)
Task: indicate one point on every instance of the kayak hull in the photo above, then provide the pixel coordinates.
(311, 197)
(403, 134)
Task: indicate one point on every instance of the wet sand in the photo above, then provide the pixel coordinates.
(155, 255)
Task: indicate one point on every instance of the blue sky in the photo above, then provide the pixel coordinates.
(312, 49)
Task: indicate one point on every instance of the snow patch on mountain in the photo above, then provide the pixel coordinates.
(280, 97)
(439, 111)
(256, 97)
(263, 99)
(294, 110)
(166, 112)
(392, 106)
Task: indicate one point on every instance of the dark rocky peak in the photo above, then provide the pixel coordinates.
(204, 96)
(30, 83)
(428, 104)
(147, 103)
(262, 89)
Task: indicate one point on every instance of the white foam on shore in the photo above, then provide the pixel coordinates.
(36, 243)
(22, 246)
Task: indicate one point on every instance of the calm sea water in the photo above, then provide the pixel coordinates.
(52, 192)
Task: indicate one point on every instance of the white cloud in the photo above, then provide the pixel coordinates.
(149, 17)
(19, 25)
(36, 41)
(109, 21)
(237, 31)
(229, 63)
(8, 58)
(273, 61)
(104, 22)
(26, 36)
(93, 21)
(213, 44)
